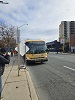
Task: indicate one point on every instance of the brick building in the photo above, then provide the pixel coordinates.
(67, 32)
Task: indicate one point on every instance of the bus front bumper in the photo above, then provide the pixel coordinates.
(36, 60)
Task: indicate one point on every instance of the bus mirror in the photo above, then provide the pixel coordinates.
(47, 50)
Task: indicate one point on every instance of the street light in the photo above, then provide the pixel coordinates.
(2, 2)
(18, 42)
(22, 25)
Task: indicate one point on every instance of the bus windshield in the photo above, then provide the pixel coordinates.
(36, 47)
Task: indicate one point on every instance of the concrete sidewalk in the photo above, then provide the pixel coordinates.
(17, 87)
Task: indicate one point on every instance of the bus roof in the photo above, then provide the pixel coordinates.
(34, 40)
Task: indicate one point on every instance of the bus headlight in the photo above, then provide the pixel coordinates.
(45, 56)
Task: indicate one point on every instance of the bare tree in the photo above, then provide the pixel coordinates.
(8, 36)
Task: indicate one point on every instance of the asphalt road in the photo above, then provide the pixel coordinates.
(55, 79)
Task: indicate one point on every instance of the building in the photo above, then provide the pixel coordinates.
(67, 35)
(54, 46)
(72, 36)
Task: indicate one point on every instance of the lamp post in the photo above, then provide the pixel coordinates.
(18, 41)
(2, 2)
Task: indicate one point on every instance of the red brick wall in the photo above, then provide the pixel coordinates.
(72, 40)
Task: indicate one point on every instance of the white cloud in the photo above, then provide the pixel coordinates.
(43, 16)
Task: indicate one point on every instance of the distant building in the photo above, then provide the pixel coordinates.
(67, 35)
(54, 46)
(64, 30)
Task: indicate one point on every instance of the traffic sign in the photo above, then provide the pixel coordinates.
(22, 48)
(62, 41)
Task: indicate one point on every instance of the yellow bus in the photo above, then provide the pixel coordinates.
(37, 51)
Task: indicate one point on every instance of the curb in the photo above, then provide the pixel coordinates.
(32, 91)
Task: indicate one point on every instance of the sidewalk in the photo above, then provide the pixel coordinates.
(17, 87)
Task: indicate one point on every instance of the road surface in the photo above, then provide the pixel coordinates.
(55, 79)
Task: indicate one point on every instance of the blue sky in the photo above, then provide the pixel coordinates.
(42, 16)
